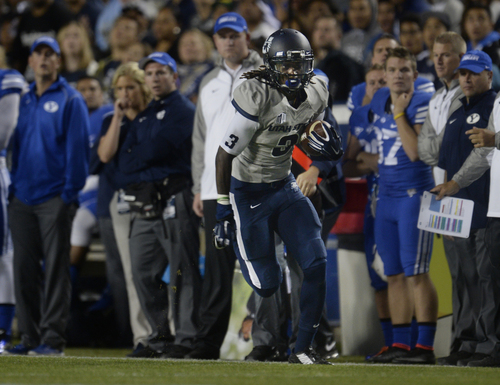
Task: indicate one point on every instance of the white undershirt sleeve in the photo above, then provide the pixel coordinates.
(9, 111)
(241, 130)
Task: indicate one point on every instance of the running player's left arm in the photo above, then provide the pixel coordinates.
(407, 131)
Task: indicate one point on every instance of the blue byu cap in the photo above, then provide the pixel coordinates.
(231, 20)
(476, 61)
(159, 57)
(49, 42)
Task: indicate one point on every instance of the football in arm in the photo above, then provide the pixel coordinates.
(316, 126)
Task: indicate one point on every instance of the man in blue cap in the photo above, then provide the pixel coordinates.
(50, 153)
(158, 147)
(475, 271)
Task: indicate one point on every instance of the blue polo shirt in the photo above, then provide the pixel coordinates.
(159, 142)
(50, 146)
(456, 147)
(111, 179)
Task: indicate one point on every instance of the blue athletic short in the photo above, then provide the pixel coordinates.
(401, 245)
(260, 210)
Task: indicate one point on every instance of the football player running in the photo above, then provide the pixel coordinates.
(258, 195)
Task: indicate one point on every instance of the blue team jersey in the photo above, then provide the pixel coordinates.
(399, 176)
(358, 92)
(361, 126)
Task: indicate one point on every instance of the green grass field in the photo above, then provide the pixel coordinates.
(93, 366)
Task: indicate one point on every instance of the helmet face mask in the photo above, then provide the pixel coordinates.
(289, 60)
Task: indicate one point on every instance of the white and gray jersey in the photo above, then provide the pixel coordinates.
(266, 128)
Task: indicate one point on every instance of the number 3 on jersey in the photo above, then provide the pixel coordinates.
(285, 144)
(234, 140)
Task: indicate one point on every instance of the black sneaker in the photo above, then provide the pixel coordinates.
(264, 353)
(474, 357)
(370, 358)
(487, 362)
(389, 355)
(328, 349)
(417, 356)
(176, 351)
(308, 357)
(144, 352)
(453, 358)
(204, 353)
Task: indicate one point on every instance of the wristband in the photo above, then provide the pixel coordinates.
(399, 115)
(223, 199)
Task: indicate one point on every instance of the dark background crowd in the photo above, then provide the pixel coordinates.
(96, 38)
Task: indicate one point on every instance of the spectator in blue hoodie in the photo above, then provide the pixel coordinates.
(477, 26)
(50, 151)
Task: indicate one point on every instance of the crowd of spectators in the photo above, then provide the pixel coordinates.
(135, 62)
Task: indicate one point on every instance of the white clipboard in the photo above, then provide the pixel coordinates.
(449, 216)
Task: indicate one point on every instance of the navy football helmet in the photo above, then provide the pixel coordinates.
(289, 60)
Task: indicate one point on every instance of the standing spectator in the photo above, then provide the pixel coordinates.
(202, 19)
(159, 148)
(12, 85)
(478, 273)
(85, 12)
(343, 72)
(213, 114)
(448, 50)
(195, 52)
(453, 9)
(434, 24)
(136, 52)
(362, 17)
(477, 27)
(44, 17)
(167, 29)
(77, 58)
(54, 125)
(412, 38)
(477, 163)
(361, 159)
(386, 17)
(260, 20)
(123, 35)
(85, 221)
(92, 92)
(113, 10)
(358, 96)
(326, 36)
(414, 6)
(132, 96)
(404, 249)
